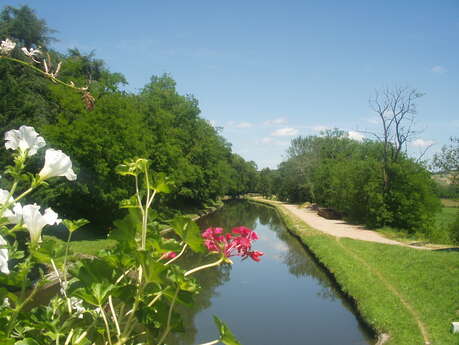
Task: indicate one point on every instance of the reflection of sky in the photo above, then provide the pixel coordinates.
(270, 245)
(264, 303)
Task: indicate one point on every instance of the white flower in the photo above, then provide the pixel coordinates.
(31, 53)
(77, 305)
(6, 302)
(57, 163)
(5, 197)
(3, 257)
(15, 216)
(34, 221)
(7, 46)
(25, 139)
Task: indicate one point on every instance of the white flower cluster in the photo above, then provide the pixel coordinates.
(7, 46)
(32, 219)
(27, 142)
(31, 53)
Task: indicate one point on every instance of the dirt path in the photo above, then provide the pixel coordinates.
(339, 228)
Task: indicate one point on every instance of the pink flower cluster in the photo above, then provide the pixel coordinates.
(236, 243)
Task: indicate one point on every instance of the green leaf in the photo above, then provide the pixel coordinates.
(132, 167)
(26, 341)
(154, 271)
(161, 183)
(132, 202)
(49, 249)
(126, 229)
(189, 232)
(226, 336)
(74, 225)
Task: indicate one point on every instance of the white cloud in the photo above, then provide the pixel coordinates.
(285, 132)
(271, 141)
(439, 69)
(277, 121)
(319, 128)
(422, 143)
(266, 140)
(243, 125)
(356, 135)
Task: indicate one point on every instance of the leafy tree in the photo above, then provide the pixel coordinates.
(24, 27)
(337, 172)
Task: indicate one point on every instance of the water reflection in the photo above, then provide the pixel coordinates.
(287, 298)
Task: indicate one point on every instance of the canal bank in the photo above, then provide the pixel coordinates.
(403, 292)
(286, 298)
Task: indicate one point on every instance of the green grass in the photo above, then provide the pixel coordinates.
(85, 248)
(91, 246)
(447, 215)
(381, 277)
(450, 202)
(439, 234)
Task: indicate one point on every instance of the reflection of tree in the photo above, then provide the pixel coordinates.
(209, 280)
(233, 214)
(299, 260)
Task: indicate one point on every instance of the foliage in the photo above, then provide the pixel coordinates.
(349, 176)
(128, 292)
(156, 123)
(24, 27)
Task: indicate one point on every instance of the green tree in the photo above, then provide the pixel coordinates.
(24, 27)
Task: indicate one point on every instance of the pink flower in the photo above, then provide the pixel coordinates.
(236, 243)
(168, 255)
(255, 255)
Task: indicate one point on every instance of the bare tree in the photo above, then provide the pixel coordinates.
(396, 109)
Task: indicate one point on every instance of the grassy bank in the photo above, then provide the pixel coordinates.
(93, 246)
(410, 294)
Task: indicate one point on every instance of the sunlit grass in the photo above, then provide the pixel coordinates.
(370, 273)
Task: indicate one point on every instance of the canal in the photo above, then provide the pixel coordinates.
(285, 299)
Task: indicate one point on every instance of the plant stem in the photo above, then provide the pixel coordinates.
(19, 307)
(63, 287)
(169, 316)
(106, 324)
(110, 302)
(211, 342)
(199, 268)
(24, 194)
(178, 256)
(47, 75)
(153, 301)
(65, 258)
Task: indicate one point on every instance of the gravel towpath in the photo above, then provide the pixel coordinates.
(339, 228)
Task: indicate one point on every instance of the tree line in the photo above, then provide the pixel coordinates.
(156, 123)
(372, 182)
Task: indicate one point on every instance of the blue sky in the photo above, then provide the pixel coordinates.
(267, 71)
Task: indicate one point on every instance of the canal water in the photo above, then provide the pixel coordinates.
(285, 299)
